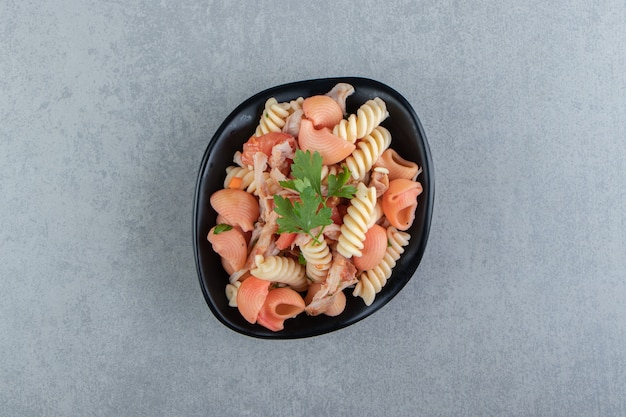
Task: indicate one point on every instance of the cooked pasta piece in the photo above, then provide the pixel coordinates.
(280, 304)
(246, 177)
(400, 202)
(367, 117)
(231, 246)
(368, 151)
(374, 248)
(251, 296)
(273, 117)
(355, 222)
(318, 259)
(282, 270)
(231, 293)
(237, 207)
(372, 281)
(323, 111)
(397, 167)
(295, 105)
(332, 148)
(329, 170)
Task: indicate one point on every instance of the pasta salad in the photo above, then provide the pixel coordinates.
(316, 202)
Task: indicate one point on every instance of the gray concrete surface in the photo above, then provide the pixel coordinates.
(519, 305)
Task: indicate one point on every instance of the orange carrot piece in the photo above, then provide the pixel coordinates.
(235, 182)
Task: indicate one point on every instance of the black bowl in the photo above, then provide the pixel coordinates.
(408, 139)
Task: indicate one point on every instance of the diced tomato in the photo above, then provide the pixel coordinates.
(263, 144)
(336, 216)
(285, 240)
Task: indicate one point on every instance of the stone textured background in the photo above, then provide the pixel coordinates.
(518, 307)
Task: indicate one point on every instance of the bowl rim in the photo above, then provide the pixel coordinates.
(427, 165)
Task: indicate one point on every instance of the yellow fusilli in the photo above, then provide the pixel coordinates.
(282, 270)
(273, 117)
(318, 259)
(368, 151)
(247, 178)
(367, 117)
(356, 221)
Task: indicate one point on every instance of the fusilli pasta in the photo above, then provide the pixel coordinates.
(368, 150)
(282, 270)
(355, 223)
(273, 117)
(367, 117)
(318, 259)
(247, 178)
(372, 281)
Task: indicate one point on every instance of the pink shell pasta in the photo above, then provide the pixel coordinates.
(251, 296)
(280, 304)
(372, 281)
(232, 248)
(332, 148)
(397, 166)
(374, 247)
(323, 111)
(236, 207)
(400, 202)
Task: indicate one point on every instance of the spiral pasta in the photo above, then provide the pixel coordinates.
(246, 176)
(280, 269)
(356, 221)
(372, 281)
(329, 170)
(369, 149)
(231, 293)
(367, 117)
(318, 259)
(273, 117)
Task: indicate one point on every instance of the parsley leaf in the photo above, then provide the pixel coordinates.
(222, 227)
(301, 216)
(308, 166)
(337, 184)
(311, 210)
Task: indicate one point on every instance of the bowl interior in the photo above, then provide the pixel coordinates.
(408, 140)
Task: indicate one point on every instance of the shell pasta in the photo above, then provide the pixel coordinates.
(315, 203)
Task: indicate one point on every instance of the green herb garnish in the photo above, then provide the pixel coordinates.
(222, 227)
(311, 210)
